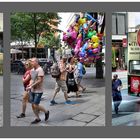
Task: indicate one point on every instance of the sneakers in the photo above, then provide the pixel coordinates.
(36, 121)
(53, 102)
(47, 116)
(68, 102)
(22, 115)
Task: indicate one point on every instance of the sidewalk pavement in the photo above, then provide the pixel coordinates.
(129, 109)
(89, 110)
(132, 119)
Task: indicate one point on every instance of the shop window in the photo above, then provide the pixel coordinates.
(114, 32)
(118, 24)
(121, 24)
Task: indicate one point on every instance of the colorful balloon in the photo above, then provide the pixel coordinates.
(85, 27)
(95, 45)
(81, 54)
(89, 17)
(76, 27)
(78, 46)
(91, 33)
(82, 37)
(90, 46)
(84, 47)
(95, 50)
(79, 37)
(77, 18)
(90, 52)
(73, 34)
(81, 21)
(94, 39)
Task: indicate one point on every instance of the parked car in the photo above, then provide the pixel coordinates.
(17, 66)
(45, 64)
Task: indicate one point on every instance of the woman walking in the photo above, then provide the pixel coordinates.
(71, 83)
(26, 80)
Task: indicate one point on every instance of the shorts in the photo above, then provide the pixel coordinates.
(60, 84)
(35, 98)
(78, 80)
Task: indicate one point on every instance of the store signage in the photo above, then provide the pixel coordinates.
(135, 84)
(133, 47)
(124, 42)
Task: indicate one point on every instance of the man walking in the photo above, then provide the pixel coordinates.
(61, 81)
(79, 74)
(36, 90)
(116, 92)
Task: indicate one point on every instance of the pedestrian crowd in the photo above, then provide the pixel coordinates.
(68, 73)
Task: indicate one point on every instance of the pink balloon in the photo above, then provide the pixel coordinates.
(73, 34)
(95, 50)
(97, 57)
(78, 46)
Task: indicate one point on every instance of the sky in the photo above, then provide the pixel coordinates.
(137, 18)
(65, 16)
(134, 19)
(64, 21)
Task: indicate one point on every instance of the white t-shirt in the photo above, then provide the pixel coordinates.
(35, 73)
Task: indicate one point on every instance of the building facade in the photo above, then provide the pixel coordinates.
(119, 40)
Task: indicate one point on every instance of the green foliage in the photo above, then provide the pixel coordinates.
(29, 26)
(50, 40)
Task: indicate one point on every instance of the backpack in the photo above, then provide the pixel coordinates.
(55, 70)
(84, 70)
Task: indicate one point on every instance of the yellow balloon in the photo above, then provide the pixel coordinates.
(76, 28)
(95, 45)
(81, 21)
(95, 39)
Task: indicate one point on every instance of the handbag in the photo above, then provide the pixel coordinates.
(71, 81)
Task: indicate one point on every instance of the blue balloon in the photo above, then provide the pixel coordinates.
(80, 29)
(90, 52)
(84, 47)
(85, 25)
(89, 17)
(82, 54)
(77, 18)
(83, 35)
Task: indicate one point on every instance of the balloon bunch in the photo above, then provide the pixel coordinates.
(83, 38)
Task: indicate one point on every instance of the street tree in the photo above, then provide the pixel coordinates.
(51, 41)
(29, 26)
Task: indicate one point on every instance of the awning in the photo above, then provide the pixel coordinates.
(15, 51)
